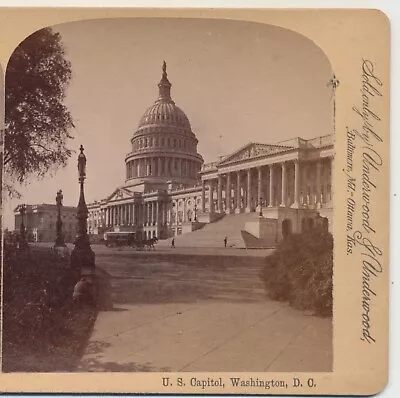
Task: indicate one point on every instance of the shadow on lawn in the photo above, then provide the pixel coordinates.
(183, 278)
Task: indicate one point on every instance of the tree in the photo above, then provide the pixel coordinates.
(37, 123)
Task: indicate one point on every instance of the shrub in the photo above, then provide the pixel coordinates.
(300, 271)
(39, 318)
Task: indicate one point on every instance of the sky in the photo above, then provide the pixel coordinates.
(238, 82)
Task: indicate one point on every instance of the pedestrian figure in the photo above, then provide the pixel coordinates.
(225, 241)
(173, 242)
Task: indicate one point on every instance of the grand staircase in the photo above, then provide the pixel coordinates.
(212, 235)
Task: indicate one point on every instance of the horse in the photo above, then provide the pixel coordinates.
(139, 244)
(149, 243)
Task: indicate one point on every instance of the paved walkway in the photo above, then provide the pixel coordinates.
(196, 314)
(100, 249)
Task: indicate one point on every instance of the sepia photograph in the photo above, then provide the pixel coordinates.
(168, 207)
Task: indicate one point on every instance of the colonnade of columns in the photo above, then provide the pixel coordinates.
(162, 167)
(293, 183)
(140, 214)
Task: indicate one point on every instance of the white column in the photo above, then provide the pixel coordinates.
(203, 196)
(249, 196)
(304, 184)
(271, 186)
(169, 210)
(259, 187)
(228, 200)
(211, 196)
(296, 202)
(318, 185)
(284, 185)
(219, 194)
(238, 191)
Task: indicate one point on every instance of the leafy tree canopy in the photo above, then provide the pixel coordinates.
(37, 123)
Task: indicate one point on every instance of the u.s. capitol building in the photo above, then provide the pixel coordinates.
(255, 196)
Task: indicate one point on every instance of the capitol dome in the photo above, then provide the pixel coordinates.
(164, 148)
(166, 113)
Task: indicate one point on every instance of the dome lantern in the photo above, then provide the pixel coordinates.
(164, 86)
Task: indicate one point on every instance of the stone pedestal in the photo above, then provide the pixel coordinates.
(264, 229)
(63, 253)
(191, 226)
(207, 218)
(99, 285)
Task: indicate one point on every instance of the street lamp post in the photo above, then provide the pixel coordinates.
(23, 244)
(59, 238)
(82, 255)
(195, 208)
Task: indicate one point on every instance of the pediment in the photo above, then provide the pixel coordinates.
(119, 194)
(253, 150)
